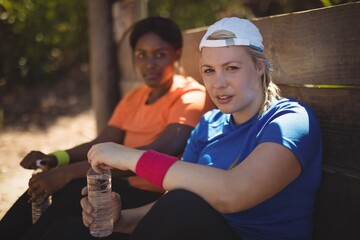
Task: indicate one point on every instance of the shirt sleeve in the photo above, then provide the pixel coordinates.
(296, 129)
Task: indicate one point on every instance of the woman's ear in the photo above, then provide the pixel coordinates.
(178, 54)
(260, 67)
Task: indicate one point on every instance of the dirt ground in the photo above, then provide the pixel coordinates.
(46, 119)
(14, 145)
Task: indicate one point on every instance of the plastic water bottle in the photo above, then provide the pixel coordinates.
(40, 204)
(99, 195)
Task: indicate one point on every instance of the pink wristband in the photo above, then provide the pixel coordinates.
(153, 166)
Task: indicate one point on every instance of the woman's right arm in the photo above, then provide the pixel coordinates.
(109, 134)
(261, 175)
(49, 182)
(77, 153)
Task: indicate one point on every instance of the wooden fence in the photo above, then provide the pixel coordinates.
(316, 58)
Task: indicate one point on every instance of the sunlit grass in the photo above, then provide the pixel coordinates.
(324, 86)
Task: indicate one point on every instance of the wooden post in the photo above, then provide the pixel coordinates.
(125, 14)
(103, 66)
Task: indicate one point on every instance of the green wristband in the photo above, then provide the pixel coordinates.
(62, 157)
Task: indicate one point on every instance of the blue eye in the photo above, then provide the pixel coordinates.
(231, 68)
(208, 70)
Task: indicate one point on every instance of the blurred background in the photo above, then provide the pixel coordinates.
(45, 97)
(44, 49)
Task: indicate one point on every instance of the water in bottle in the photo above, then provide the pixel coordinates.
(99, 195)
(41, 203)
(39, 206)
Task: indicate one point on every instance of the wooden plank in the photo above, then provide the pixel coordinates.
(338, 112)
(332, 47)
(320, 46)
(126, 13)
(190, 56)
(337, 211)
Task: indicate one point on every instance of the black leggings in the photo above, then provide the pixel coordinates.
(181, 214)
(72, 228)
(177, 215)
(16, 224)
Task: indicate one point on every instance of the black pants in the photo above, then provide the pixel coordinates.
(72, 228)
(179, 215)
(16, 224)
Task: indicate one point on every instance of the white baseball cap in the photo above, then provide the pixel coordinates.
(246, 34)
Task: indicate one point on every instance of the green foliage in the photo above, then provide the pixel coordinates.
(40, 38)
(192, 14)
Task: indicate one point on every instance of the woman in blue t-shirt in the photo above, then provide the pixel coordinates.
(251, 168)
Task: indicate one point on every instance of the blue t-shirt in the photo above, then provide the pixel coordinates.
(217, 141)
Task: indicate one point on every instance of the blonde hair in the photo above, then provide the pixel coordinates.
(271, 90)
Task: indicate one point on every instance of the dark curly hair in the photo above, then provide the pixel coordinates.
(165, 28)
